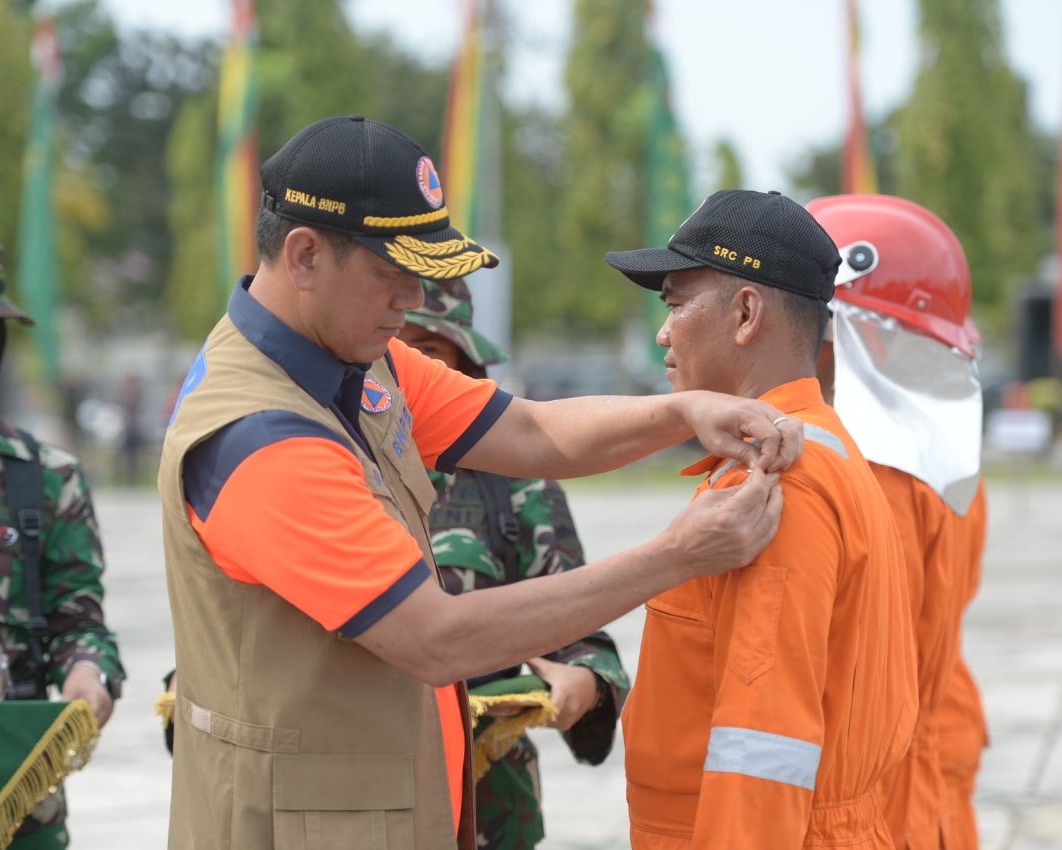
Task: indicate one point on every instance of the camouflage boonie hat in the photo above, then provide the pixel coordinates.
(7, 309)
(447, 311)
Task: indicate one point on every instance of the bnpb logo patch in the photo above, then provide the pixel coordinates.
(428, 182)
(375, 397)
(192, 380)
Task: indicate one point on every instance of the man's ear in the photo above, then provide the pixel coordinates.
(302, 256)
(749, 305)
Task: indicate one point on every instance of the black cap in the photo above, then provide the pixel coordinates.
(760, 236)
(363, 178)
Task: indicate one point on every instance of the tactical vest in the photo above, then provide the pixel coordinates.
(289, 736)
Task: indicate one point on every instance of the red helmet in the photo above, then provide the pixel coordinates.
(899, 259)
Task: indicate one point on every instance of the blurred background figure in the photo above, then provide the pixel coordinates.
(52, 630)
(130, 402)
(901, 370)
(488, 530)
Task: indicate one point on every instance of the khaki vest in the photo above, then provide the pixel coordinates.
(289, 736)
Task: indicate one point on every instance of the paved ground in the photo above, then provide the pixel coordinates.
(1014, 642)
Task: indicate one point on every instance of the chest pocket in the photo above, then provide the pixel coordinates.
(686, 604)
(760, 594)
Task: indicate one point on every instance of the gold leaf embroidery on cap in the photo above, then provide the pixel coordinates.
(433, 249)
(437, 269)
(404, 220)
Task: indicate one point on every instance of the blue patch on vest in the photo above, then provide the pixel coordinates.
(192, 380)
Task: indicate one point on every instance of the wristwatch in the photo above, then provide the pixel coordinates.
(113, 688)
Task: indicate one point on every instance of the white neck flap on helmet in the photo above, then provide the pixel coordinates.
(909, 401)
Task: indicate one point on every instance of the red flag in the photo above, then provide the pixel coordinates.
(857, 166)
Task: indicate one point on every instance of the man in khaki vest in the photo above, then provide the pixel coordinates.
(317, 651)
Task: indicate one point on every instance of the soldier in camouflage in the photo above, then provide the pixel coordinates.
(488, 530)
(76, 654)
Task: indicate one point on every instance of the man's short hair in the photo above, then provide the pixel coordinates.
(270, 231)
(807, 317)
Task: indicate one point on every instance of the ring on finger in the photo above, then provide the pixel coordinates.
(780, 419)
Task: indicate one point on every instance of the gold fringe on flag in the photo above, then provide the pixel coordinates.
(64, 748)
(504, 731)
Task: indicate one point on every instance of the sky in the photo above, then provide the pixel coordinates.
(768, 75)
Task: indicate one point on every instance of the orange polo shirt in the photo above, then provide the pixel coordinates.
(281, 501)
(770, 700)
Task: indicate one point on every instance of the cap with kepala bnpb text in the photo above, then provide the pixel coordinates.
(361, 177)
(764, 237)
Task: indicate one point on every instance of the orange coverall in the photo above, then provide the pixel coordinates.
(963, 730)
(914, 795)
(770, 700)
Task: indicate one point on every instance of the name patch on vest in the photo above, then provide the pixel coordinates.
(401, 432)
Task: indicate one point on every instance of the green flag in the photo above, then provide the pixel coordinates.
(41, 743)
(667, 188)
(38, 270)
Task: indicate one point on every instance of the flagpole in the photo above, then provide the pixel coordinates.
(237, 156)
(491, 288)
(857, 164)
(38, 271)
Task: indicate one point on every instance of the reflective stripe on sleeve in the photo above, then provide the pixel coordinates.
(764, 755)
(721, 471)
(824, 438)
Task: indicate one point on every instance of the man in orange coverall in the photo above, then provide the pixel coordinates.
(769, 702)
(906, 386)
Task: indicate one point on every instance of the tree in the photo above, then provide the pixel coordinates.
(966, 148)
(533, 188)
(191, 288)
(726, 166)
(119, 99)
(311, 64)
(605, 136)
(15, 33)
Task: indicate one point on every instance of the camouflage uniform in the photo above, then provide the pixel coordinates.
(71, 566)
(508, 799)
